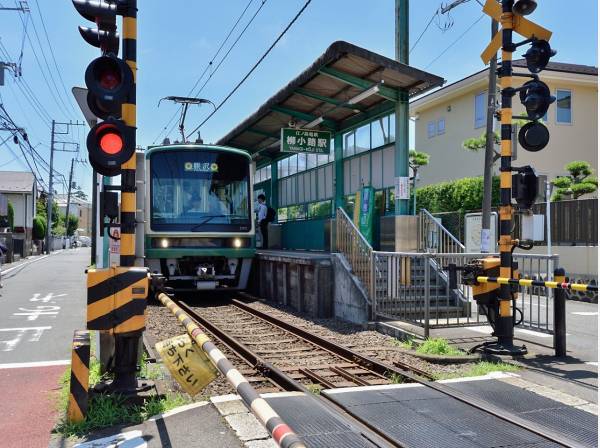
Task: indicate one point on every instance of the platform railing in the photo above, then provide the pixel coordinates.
(435, 238)
(357, 250)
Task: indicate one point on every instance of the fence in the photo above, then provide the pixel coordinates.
(572, 222)
(414, 287)
(434, 237)
(356, 249)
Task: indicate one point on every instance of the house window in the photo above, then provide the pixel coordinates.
(441, 126)
(563, 106)
(431, 129)
(480, 110)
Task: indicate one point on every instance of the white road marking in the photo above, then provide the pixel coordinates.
(42, 310)
(592, 363)
(21, 365)
(9, 345)
(537, 334)
(585, 313)
(47, 298)
(129, 439)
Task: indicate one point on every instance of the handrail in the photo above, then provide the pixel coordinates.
(357, 251)
(447, 239)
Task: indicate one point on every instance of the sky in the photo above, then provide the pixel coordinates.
(178, 38)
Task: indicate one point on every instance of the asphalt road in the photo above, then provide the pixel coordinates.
(41, 304)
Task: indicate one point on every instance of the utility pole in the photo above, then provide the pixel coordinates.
(401, 125)
(490, 139)
(50, 199)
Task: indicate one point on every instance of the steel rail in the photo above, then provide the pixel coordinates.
(477, 403)
(367, 430)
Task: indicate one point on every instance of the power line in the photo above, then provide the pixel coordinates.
(206, 68)
(52, 54)
(266, 53)
(456, 41)
(424, 31)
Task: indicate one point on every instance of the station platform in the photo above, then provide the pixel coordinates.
(409, 415)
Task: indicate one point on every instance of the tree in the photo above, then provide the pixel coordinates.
(39, 227)
(72, 224)
(11, 216)
(416, 159)
(579, 181)
(79, 193)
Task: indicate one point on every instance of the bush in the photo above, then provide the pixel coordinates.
(11, 216)
(461, 194)
(39, 227)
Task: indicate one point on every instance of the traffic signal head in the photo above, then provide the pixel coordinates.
(525, 187)
(104, 14)
(535, 96)
(524, 7)
(534, 136)
(109, 80)
(110, 144)
(538, 55)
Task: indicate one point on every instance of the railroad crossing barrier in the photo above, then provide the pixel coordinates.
(80, 371)
(282, 434)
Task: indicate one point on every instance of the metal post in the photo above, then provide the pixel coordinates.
(402, 115)
(560, 315)
(94, 215)
(50, 198)
(338, 164)
(486, 206)
(548, 225)
(427, 293)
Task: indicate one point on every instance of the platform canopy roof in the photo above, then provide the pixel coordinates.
(329, 91)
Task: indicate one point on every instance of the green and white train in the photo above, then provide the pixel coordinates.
(199, 221)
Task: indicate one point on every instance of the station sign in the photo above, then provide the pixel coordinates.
(305, 141)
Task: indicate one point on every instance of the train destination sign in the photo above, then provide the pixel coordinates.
(305, 140)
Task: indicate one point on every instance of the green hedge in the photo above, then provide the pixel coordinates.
(460, 194)
(39, 227)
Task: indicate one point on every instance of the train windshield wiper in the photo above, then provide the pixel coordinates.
(205, 220)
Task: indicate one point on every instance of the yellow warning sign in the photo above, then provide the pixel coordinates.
(188, 364)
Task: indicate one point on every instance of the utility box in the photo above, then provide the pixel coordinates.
(532, 227)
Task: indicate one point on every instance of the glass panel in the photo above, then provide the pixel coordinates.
(349, 204)
(441, 127)
(392, 132)
(285, 168)
(199, 191)
(282, 214)
(563, 106)
(363, 139)
(293, 164)
(319, 209)
(301, 162)
(348, 144)
(279, 168)
(296, 212)
(322, 159)
(311, 161)
(480, 109)
(379, 132)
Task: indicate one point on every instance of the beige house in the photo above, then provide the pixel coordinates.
(445, 118)
(80, 208)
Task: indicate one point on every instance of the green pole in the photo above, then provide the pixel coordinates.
(401, 122)
(339, 171)
(274, 187)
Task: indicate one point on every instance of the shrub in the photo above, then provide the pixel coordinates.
(39, 227)
(461, 194)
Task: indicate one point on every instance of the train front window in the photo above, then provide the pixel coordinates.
(199, 191)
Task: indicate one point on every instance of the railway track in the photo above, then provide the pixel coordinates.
(291, 358)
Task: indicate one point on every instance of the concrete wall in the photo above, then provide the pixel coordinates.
(568, 142)
(350, 301)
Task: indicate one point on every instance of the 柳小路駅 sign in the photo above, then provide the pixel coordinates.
(305, 140)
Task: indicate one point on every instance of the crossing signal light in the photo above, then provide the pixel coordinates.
(109, 80)
(525, 187)
(110, 144)
(535, 96)
(534, 136)
(538, 55)
(524, 7)
(104, 14)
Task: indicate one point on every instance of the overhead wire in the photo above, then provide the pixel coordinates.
(455, 41)
(254, 67)
(424, 31)
(231, 30)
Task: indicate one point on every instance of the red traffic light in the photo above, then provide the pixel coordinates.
(110, 144)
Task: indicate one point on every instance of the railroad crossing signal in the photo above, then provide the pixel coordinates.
(110, 82)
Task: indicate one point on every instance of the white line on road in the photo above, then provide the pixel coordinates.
(585, 313)
(129, 439)
(25, 328)
(21, 365)
(592, 363)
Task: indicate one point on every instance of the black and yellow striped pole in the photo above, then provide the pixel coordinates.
(80, 374)
(127, 342)
(505, 322)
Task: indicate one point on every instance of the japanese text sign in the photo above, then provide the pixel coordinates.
(305, 140)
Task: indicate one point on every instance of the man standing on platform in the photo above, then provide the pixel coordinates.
(263, 222)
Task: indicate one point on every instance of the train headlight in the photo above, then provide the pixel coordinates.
(237, 242)
(164, 243)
